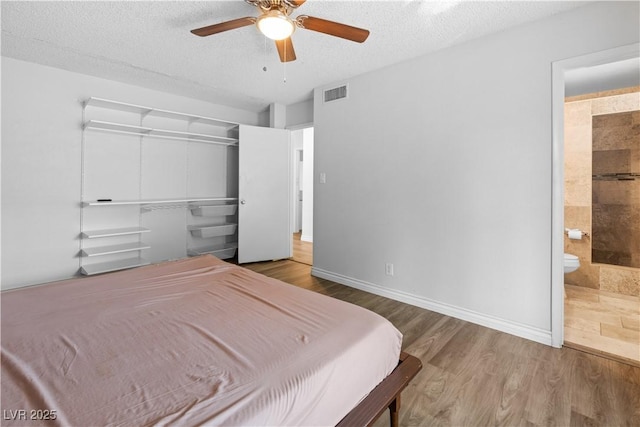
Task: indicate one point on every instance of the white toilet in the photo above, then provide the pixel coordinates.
(571, 263)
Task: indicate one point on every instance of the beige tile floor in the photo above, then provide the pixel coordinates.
(602, 323)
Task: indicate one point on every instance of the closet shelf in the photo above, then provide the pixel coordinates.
(159, 133)
(132, 108)
(213, 230)
(114, 232)
(115, 249)
(158, 201)
(214, 210)
(105, 267)
(225, 251)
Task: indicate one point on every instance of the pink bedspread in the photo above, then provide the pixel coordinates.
(189, 342)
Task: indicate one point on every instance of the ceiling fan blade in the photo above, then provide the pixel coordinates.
(296, 3)
(223, 26)
(333, 28)
(285, 50)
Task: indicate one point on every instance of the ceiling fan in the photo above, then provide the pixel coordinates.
(275, 23)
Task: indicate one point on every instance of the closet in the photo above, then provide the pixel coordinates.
(160, 185)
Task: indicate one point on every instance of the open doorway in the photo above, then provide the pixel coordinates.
(302, 217)
(602, 202)
(595, 306)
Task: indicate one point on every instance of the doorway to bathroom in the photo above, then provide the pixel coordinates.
(601, 206)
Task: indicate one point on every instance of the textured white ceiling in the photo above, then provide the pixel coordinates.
(149, 44)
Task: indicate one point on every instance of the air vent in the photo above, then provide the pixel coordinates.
(336, 93)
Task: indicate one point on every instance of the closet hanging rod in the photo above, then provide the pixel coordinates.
(161, 207)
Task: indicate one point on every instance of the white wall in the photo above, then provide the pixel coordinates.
(41, 138)
(300, 113)
(448, 173)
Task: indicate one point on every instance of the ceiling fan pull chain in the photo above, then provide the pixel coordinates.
(264, 51)
(284, 64)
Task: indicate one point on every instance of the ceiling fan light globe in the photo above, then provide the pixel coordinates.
(275, 25)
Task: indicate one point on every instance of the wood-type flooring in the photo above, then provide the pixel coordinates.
(475, 376)
(602, 322)
(302, 251)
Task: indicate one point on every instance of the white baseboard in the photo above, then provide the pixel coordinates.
(306, 238)
(513, 328)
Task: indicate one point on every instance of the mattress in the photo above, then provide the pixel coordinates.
(189, 342)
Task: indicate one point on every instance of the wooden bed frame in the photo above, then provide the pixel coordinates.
(385, 395)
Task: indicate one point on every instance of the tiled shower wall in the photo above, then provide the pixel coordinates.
(597, 119)
(615, 218)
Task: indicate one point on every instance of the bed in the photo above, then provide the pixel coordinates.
(192, 342)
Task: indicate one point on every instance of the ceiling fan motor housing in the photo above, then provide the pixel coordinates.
(275, 24)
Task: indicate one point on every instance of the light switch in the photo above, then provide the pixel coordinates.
(323, 178)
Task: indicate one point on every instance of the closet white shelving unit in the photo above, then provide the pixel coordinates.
(216, 237)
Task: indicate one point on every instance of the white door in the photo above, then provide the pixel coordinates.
(264, 190)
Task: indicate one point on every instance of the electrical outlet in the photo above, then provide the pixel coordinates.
(388, 269)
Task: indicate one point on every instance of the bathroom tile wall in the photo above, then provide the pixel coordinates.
(616, 203)
(603, 127)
